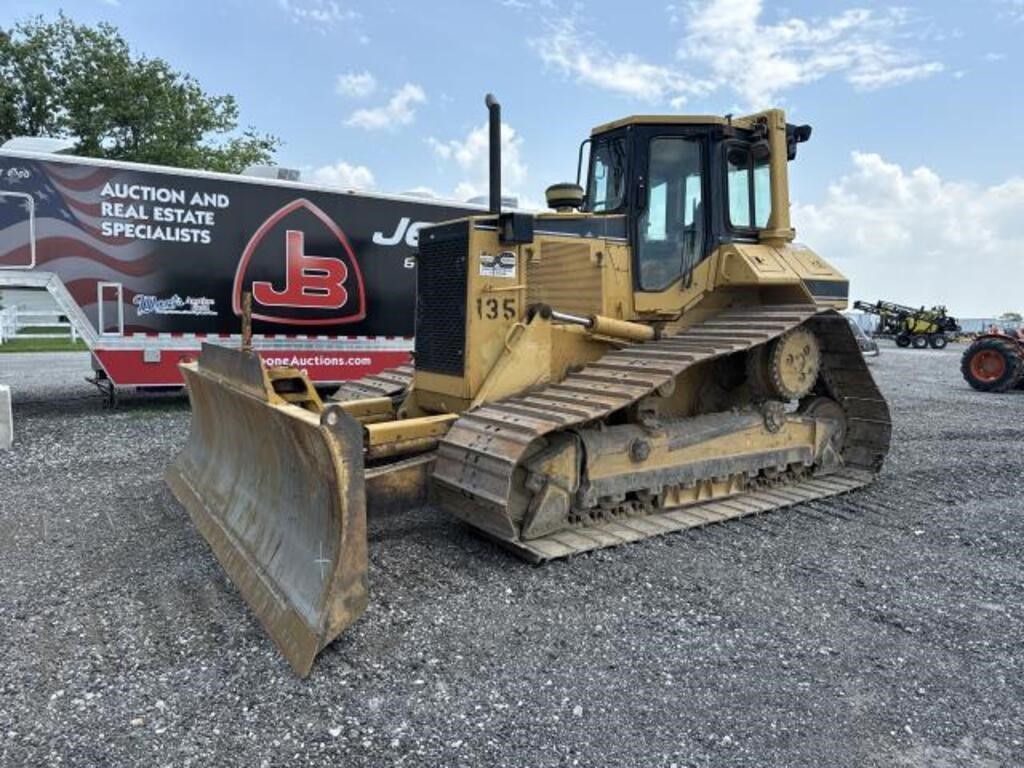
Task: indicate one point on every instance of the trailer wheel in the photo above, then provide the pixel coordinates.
(992, 365)
(938, 341)
(902, 340)
(919, 341)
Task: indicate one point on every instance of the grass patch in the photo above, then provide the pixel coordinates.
(39, 330)
(43, 345)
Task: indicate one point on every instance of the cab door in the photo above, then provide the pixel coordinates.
(671, 232)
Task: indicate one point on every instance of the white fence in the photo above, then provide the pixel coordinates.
(46, 324)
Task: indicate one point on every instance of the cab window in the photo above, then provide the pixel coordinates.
(749, 187)
(670, 238)
(607, 184)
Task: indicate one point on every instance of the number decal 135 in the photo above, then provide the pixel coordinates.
(492, 309)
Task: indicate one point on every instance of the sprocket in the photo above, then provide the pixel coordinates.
(794, 360)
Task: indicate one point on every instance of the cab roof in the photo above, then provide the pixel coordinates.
(741, 122)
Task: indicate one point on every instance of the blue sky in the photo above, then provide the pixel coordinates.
(908, 183)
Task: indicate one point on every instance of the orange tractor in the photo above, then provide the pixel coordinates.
(995, 361)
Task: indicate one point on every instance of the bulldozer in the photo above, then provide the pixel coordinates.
(653, 354)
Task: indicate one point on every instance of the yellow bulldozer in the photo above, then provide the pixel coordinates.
(654, 354)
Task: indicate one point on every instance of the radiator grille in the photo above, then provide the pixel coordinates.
(565, 278)
(441, 299)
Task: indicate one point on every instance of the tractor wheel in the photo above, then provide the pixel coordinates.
(919, 341)
(902, 340)
(992, 364)
(938, 341)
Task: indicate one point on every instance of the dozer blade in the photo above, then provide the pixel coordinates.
(278, 492)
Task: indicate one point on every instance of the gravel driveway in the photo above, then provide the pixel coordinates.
(884, 628)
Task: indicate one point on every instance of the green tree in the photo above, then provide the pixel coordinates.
(69, 80)
(1010, 317)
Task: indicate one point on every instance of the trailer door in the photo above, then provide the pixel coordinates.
(110, 303)
(17, 230)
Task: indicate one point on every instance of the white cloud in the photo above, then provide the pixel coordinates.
(527, 5)
(341, 174)
(725, 46)
(579, 55)
(400, 110)
(1012, 9)
(882, 76)
(358, 84)
(911, 236)
(759, 61)
(320, 12)
(471, 158)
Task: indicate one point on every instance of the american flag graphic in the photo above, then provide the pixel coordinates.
(68, 236)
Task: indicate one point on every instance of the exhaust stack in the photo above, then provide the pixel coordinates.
(494, 147)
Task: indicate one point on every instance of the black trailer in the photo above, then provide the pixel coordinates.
(148, 262)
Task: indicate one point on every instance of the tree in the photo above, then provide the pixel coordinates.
(65, 79)
(1010, 317)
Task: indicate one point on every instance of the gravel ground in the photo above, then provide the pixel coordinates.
(883, 628)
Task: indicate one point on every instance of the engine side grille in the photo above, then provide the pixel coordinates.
(441, 298)
(565, 278)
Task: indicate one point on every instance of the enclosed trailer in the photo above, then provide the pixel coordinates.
(148, 262)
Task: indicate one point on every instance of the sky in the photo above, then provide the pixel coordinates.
(908, 184)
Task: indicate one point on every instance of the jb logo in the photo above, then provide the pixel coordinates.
(294, 287)
(314, 282)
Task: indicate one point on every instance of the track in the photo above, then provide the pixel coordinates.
(478, 458)
(389, 383)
